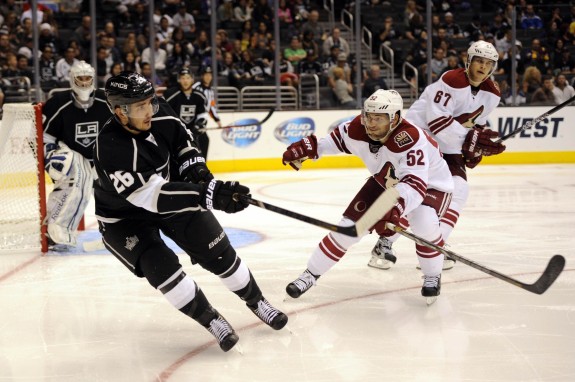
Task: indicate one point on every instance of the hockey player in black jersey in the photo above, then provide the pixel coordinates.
(190, 107)
(71, 122)
(152, 179)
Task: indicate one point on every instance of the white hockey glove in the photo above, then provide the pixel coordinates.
(58, 161)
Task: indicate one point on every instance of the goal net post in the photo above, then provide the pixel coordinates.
(22, 179)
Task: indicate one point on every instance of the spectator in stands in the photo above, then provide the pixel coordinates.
(538, 56)
(48, 78)
(47, 37)
(343, 89)
(531, 81)
(263, 13)
(452, 28)
(164, 32)
(341, 63)
(178, 59)
(473, 29)
(26, 49)
(178, 36)
(310, 65)
(409, 12)
(63, 66)
(83, 34)
(201, 45)
(507, 95)
(114, 70)
(243, 10)
(313, 25)
(452, 63)
(284, 14)
(294, 53)
(335, 39)
(308, 44)
(11, 6)
(254, 71)
(146, 71)
(184, 20)
(386, 34)
(101, 65)
(11, 69)
(114, 54)
(544, 96)
(373, 82)
(506, 61)
(438, 63)
(130, 45)
(131, 62)
(24, 67)
(530, 20)
(262, 32)
(230, 71)
(562, 90)
(415, 28)
(110, 29)
(225, 13)
(5, 48)
(160, 57)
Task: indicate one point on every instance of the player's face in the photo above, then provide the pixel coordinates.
(140, 113)
(479, 69)
(207, 79)
(186, 82)
(376, 125)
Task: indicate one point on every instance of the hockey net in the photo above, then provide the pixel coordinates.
(22, 179)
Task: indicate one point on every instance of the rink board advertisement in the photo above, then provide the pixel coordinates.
(260, 147)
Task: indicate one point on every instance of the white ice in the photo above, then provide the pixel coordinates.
(84, 317)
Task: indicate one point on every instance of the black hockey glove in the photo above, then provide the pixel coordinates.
(225, 196)
(193, 168)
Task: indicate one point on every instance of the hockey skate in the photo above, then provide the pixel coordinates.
(431, 288)
(268, 314)
(223, 332)
(448, 263)
(300, 285)
(382, 255)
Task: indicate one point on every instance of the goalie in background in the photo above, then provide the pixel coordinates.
(397, 154)
(71, 120)
(454, 110)
(152, 180)
(190, 106)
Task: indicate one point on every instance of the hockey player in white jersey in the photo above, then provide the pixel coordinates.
(454, 110)
(397, 154)
(71, 120)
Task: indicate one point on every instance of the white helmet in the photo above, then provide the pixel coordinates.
(482, 49)
(383, 102)
(82, 89)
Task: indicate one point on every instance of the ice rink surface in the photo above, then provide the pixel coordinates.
(84, 317)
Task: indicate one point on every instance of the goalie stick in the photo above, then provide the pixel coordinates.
(536, 120)
(550, 274)
(373, 214)
(268, 116)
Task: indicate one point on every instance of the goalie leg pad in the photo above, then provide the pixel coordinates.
(67, 203)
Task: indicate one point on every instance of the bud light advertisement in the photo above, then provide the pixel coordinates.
(244, 135)
(294, 129)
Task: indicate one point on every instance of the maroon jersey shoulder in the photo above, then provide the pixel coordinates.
(404, 137)
(490, 86)
(356, 131)
(456, 78)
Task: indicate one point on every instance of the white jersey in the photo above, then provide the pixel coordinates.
(450, 107)
(409, 156)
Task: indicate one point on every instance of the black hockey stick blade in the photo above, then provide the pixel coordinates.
(550, 274)
(536, 120)
(268, 116)
(374, 213)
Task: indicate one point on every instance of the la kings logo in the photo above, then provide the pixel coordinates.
(187, 113)
(86, 133)
(131, 242)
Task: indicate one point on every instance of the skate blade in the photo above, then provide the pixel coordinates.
(430, 300)
(238, 348)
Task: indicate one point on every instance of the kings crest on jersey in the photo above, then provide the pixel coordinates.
(77, 128)
(187, 113)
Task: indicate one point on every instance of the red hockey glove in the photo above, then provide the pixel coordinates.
(478, 142)
(392, 216)
(472, 162)
(299, 151)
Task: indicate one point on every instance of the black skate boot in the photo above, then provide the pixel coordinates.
(268, 314)
(301, 285)
(223, 332)
(431, 288)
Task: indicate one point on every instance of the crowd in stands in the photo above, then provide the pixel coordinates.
(245, 47)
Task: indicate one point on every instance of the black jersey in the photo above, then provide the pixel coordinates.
(77, 128)
(136, 177)
(187, 107)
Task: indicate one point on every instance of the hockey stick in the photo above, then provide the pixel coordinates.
(550, 274)
(373, 214)
(93, 245)
(536, 120)
(270, 112)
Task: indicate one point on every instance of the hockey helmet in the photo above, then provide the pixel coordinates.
(482, 49)
(127, 88)
(387, 102)
(82, 83)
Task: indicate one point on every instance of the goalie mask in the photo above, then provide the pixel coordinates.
(128, 88)
(82, 77)
(381, 114)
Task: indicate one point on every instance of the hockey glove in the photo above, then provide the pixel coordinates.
(393, 216)
(58, 161)
(472, 162)
(478, 142)
(193, 167)
(225, 196)
(299, 151)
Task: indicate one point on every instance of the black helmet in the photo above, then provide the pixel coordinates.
(185, 70)
(205, 69)
(127, 88)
